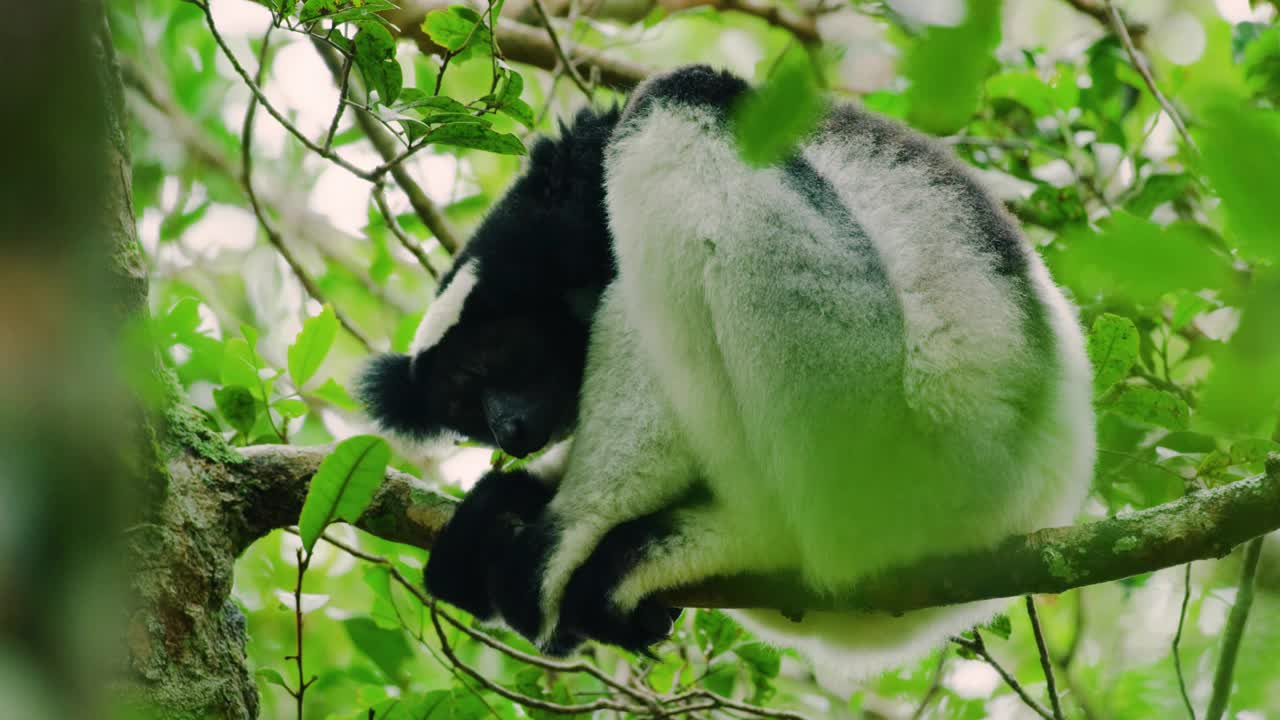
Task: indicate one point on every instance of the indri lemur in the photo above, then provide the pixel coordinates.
(843, 362)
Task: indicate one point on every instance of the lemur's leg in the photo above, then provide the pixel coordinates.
(611, 597)
(628, 460)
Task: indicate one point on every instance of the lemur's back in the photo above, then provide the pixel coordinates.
(868, 362)
(860, 332)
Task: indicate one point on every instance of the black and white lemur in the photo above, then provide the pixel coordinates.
(840, 363)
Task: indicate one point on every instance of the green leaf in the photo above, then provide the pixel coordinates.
(1150, 406)
(1158, 190)
(290, 407)
(519, 111)
(375, 52)
(456, 29)
(721, 677)
(1240, 152)
(311, 346)
(512, 87)
(1000, 626)
(343, 486)
(450, 118)
(1243, 388)
(415, 99)
(1134, 258)
(238, 406)
(181, 320)
(715, 631)
(478, 137)
(240, 366)
(388, 649)
(272, 677)
(768, 122)
(333, 393)
(176, 223)
(1262, 64)
(1025, 88)
(341, 11)
(509, 103)
(1252, 450)
(761, 658)
(946, 67)
(250, 334)
(1113, 349)
(315, 9)
(1188, 306)
(1053, 207)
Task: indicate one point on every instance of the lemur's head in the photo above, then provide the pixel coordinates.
(499, 355)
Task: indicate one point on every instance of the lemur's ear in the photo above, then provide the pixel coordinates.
(573, 160)
(393, 390)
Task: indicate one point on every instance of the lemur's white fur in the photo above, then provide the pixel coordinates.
(445, 311)
(850, 405)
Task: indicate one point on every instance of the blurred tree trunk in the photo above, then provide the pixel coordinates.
(111, 536)
(185, 638)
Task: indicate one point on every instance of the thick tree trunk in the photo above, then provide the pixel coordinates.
(118, 434)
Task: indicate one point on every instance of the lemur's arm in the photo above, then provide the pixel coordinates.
(627, 461)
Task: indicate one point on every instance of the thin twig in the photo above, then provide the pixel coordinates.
(935, 686)
(979, 648)
(342, 104)
(525, 700)
(259, 96)
(803, 27)
(380, 199)
(1234, 633)
(300, 694)
(1122, 31)
(657, 705)
(544, 663)
(1078, 620)
(719, 701)
(1045, 663)
(560, 52)
(1177, 638)
(273, 235)
(384, 141)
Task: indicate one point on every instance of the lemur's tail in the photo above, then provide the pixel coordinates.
(848, 647)
(394, 396)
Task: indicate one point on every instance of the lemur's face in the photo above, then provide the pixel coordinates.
(511, 382)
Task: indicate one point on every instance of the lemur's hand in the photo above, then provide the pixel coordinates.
(591, 606)
(474, 547)
(558, 591)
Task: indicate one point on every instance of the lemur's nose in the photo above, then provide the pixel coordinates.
(513, 437)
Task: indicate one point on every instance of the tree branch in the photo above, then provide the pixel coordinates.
(1202, 525)
(565, 62)
(1103, 16)
(273, 235)
(385, 144)
(1140, 64)
(1234, 633)
(523, 43)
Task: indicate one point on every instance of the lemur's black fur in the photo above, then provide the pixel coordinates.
(545, 255)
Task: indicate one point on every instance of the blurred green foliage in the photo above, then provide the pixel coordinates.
(1169, 250)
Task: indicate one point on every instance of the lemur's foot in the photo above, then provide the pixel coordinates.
(474, 547)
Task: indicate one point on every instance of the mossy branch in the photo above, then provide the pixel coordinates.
(1205, 524)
